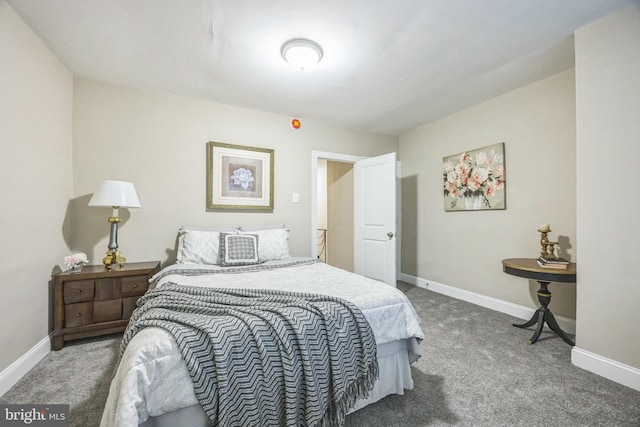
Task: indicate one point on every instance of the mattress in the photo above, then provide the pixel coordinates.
(152, 380)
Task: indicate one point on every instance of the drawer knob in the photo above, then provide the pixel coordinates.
(77, 314)
(135, 286)
(79, 291)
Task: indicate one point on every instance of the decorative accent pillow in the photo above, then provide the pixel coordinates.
(198, 246)
(238, 249)
(273, 243)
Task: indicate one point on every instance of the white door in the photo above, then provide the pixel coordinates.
(375, 218)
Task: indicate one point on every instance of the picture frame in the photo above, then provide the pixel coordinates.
(475, 179)
(239, 177)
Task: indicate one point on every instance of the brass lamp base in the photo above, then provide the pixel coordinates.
(113, 257)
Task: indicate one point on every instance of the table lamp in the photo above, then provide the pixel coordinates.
(115, 194)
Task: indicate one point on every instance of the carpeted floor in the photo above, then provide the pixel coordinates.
(476, 370)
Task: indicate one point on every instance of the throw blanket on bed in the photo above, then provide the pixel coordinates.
(265, 357)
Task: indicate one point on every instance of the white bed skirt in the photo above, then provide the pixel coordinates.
(394, 360)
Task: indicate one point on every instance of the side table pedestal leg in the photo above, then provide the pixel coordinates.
(553, 325)
(537, 319)
(542, 315)
(530, 322)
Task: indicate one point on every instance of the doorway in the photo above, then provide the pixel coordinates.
(332, 208)
(335, 213)
(362, 180)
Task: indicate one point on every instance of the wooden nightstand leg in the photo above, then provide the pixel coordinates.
(58, 343)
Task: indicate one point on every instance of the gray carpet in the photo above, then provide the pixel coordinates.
(476, 370)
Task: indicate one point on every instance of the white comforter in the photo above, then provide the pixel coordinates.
(152, 378)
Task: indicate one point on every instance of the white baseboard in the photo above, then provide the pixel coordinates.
(608, 368)
(14, 372)
(515, 310)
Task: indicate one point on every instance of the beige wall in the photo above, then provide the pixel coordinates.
(340, 214)
(35, 166)
(608, 149)
(464, 249)
(157, 141)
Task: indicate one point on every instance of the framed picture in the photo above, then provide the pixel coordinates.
(239, 178)
(475, 180)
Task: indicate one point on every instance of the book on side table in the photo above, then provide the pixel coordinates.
(558, 263)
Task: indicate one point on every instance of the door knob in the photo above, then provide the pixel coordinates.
(390, 235)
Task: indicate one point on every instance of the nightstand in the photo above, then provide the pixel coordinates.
(97, 301)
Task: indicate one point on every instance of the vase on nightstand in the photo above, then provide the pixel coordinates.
(76, 261)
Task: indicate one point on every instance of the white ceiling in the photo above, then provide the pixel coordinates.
(389, 65)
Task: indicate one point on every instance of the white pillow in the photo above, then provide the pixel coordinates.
(273, 243)
(238, 249)
(199, 246)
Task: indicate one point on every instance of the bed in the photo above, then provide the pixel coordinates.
(152, 385)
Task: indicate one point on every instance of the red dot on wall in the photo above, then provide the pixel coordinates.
(295, 123)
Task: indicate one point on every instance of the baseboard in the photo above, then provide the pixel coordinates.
(608, 368)
(515, 310)
(14, 372)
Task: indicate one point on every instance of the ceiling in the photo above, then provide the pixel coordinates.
(388, 66)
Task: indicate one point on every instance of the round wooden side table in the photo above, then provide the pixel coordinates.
(529, 269)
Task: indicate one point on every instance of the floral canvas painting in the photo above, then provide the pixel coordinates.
(475, 179)
(238, 177)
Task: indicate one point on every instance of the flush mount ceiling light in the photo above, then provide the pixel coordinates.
(301, 53)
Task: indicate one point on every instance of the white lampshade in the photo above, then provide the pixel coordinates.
(116, 193)
(301, 53)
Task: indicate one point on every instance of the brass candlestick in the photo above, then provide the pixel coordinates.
(548, 247)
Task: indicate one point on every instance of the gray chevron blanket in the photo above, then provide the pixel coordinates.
(260, 357)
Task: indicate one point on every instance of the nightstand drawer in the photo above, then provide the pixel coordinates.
(104, 311)
(78, 291)
(78, 314)
(134, 285)
(108, 289)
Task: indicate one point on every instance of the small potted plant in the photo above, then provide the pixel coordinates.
(75, 261)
